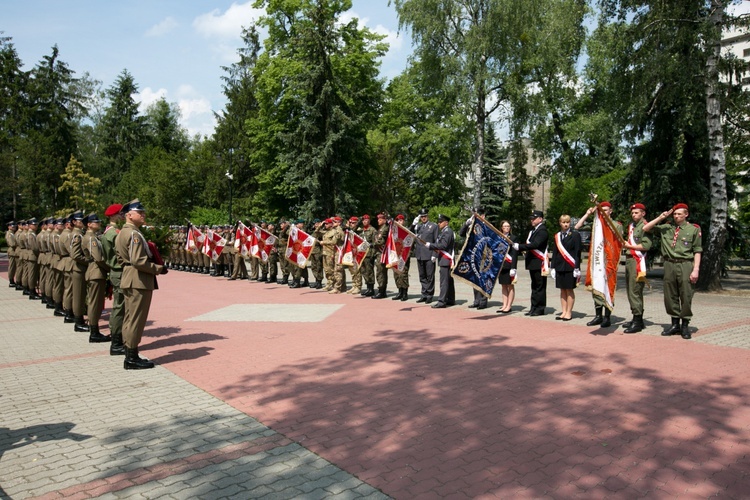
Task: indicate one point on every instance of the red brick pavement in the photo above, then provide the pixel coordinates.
(425, 403)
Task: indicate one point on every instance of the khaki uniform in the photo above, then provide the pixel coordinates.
(138, 281)
(678, 247)
(381, 272)
(633, 287)
(329, 255)
(78, 272)
(109, 253)
(31, 278)
(10, 238)
(66, 268)
(56, 275)
(22, 258)
(96, 276)
(368, 263)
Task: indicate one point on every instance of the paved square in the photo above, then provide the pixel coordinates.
(278, 313)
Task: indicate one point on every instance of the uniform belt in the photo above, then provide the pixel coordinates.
(674, 261)
(126, 265)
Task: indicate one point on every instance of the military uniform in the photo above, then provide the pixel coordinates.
(402, 278)
(96, 278)
(381, 272)
(635, 271)
(316, 255)
(339, 275)
(367, 232)
(55, 268)
(22, 258)
(138, 282)
(428, 232)
(66, 267)
(78, 273)
(329, 252)
(10, 238)
(31, 278)
(281, 243)
(109, 253)
(446, 242)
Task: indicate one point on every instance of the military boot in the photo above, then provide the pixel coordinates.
(135, 362)
(597, 319)
(672, 330)
(117, 348)
(80, 325)
(95, 336)
(370, 291)
(69, 318)
(263, 278)
(381, 294)
(628, 324)
(405, 296)
(295, 284)
(59, 310)
(685, 329)
(636, 326)
(607, 321)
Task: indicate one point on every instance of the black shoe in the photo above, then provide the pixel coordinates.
(26, 292)
(636, 325)
(59, 310)
(370, 292)
(50, 305)
(33, 296)
(428, 300)
(81, 325)
(405, 296)
(399, 295)
(284, 281)
(295, 284)
(134, 362)
(685, 329)
(421, 299)
(596, 321)
(380, 295)
(95, 337)
(672, 330)
(12, 284)
(69, 318)
(627, 324)
(117, 348)
(473, 305)
(537, 312)
(481, 306)
(439, 305)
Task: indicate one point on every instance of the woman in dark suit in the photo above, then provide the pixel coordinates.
(507, 276)
(566, 265)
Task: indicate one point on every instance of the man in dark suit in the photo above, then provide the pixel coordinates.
(536, 252)
(444, 248)
(428, 232)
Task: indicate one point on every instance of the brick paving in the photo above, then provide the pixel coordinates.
(372, 399)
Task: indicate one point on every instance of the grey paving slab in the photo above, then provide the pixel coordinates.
(284, 313)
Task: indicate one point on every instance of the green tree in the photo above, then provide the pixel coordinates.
(82, 188)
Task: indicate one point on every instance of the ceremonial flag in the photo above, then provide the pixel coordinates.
(604, 257)
(213, 245)
(482, 256)
(299, 246)
(195, 240)
(353, 250)
(262, 244)
(398, 245)
(243, 239)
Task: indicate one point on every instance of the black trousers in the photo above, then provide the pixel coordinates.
(426, 270)
(538, 290)
(447, 288)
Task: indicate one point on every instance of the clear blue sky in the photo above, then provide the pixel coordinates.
(173, 48)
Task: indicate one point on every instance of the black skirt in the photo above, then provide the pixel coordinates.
(564, 280)
(504, 277)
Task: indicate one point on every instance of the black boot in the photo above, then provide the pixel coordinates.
(284, 280)
(628, 324)
(263, 278)
(117, 348)
(69, 318)
(381, 294)
(606, 322)
(12, 284)
(81, 325)
(295, 284)
(134, 362)
(598, 318)
(33, 295)
(305, 284)
(370, 292)
(51, 303)
(398, 296)
(636, 326)
(95, 337)
(685, 329)
(405, 295)
(272, 279)
(672, 330)
(314, 285)
(59, 310)
(26, 291)
(44, 298)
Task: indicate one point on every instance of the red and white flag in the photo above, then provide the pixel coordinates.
(195, 240)
(398, 245)
(262, 244)
(243, 239)
(298, 247)
(213, 244)
(353, 251)
(604, 257)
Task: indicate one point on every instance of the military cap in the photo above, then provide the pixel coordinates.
(679, 206)
(77, 215)
(113, 210)
(31, 221)
(91, 218)
(639, 206)
(336, 219)
(299, 221)
(353, 219)
(328, 221)
(11, 223)
(536, 213)
(424, 211)
(133, 205)
(316, 220)
(443, 218)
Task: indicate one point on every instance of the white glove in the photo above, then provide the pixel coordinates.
(427, 244)
(553, 274)
(512, 273)
(415, 221)
(576, 273)
(433, 259)
(515, 246)
(468, 221)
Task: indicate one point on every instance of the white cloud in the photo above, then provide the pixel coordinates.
(739, 9)
(149, 96)
(162, 28)
(216, 24)
(393, 38)
(196, 114)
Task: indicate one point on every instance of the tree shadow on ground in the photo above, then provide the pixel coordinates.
(421, 415)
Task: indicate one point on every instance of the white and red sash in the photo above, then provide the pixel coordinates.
(640, 258)
(539, 255)
(563, 251)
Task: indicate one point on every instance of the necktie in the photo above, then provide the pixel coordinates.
(676, 232)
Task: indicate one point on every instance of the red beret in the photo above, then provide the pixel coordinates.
(640, 206)
(353, 219)
(365, 217)
(382, 215)
(113, 210)
(679, 206)
(400, 217)
(605, 204)
(336, 219)
(328, 221)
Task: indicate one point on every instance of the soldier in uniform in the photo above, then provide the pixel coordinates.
(355, 270)
(109, 252)
(273, 257)
(602, 314)
(281, 243)
(381, 272)
(239, 269)
(46, 283)
(96, 277)
(637, 244)
(402, 278)
(66, 267)
(316, 255)
(55, 267)
(681, 248)
(367, 232)
(138, 281)
(536, 250)
(32, 256)
(41, 260)
(78, 274)
(181, 240)
(339, 275)
(10, 238)
(426, 231)
(480, 300)
(446, 241)
(329, 252)
(300, 275)
(22, 257)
